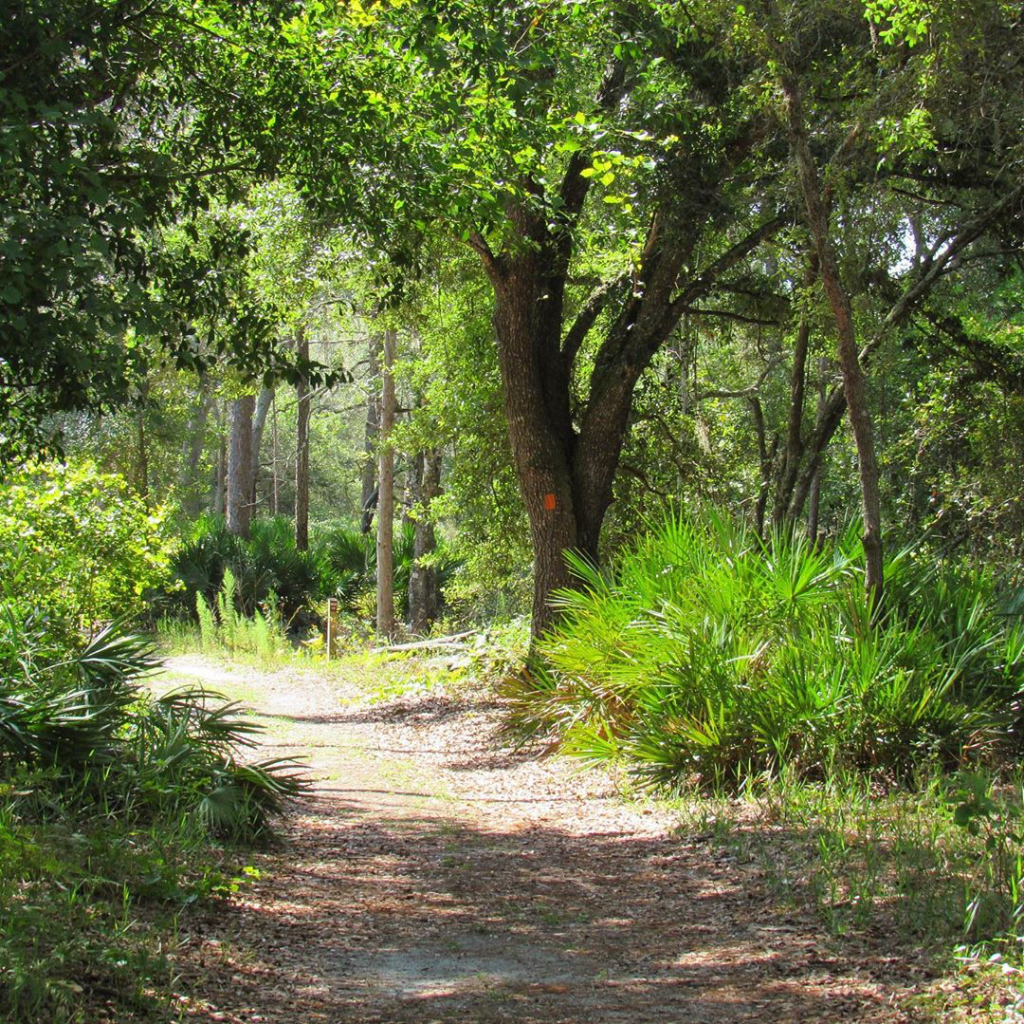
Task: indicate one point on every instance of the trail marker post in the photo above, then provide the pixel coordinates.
(332, 624)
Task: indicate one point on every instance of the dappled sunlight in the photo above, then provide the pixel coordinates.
(439, 877)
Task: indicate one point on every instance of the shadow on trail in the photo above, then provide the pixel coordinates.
(425, 918)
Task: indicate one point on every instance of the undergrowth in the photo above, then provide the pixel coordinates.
(899, 862)
(113, 803)
(706, 655)
(858, 754)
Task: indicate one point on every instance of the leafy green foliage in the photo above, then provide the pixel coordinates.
(266, 566)
(95, 160)
(79, 541)
(708, 654)
(77, 712)
(274, 581)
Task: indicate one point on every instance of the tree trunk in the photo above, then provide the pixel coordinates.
(794, 451)
(814, 499)
(192, 450)
(274, 506)
(220, 464)
(766, 458)
(541, 435)
(239, 489)
(368, 496)
(424, 590)
(302, 450)
(142, 461)
(259, 422)
(854, 386)
(386, 499)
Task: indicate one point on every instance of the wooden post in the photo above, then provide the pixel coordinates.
(332, 624)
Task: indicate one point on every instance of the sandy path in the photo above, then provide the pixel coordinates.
(434, 877)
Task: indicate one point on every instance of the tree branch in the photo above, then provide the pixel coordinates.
(730, 315)
(492, 264)
(586, 317)
(702, 283)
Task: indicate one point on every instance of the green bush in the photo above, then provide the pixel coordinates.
(707, 654)
(269, 571)
(109, 796)
(78, 714)
(264, 567)
(80, 542)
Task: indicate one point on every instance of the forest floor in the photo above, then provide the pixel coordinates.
(435, 875)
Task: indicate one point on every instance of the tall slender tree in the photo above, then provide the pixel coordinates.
(386, 497)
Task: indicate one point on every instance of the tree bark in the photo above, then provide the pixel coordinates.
(192, 450)
(766, 457)
(142, 453)
(814, 499)
(386, 499)
(259, 422)
(218, 501)
(854, 385)
(239, 485)
(424, 591)
(274, 505)
(794, 450)
(302, 450)
(368, 496)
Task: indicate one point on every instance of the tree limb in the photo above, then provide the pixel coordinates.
(586, 317)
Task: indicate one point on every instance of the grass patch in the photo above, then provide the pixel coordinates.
(90, 909)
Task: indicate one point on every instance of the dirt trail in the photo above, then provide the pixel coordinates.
(434, 876)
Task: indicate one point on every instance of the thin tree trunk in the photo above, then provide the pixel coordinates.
(142, 461)
(424, 590)
(259, 422)
(302, 450)
(794, 450)
(239, 508)
(220, 463)
(854, 385)
(274, 507)
(814, 499)
(368, 496)
(192, 449)
(386, 498)
(766, 457)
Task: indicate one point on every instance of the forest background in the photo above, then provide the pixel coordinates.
(687, 339)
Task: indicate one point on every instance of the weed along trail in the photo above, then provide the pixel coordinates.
(433, 875)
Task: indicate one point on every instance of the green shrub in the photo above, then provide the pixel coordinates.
(225, 629)
(80, 542)
(80, 716)
(109, 796)
(266, 567)
(707, 654)
(268, 571)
